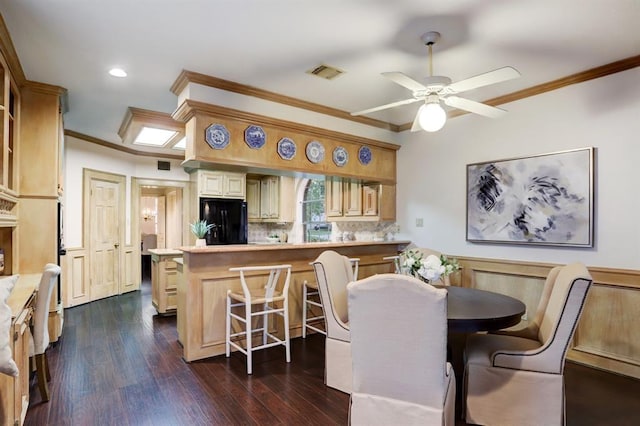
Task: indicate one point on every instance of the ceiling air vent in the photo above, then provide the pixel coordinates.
(164, 165)
(325, 71)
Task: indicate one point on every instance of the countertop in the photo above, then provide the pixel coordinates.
(285, 246)
(165, 252)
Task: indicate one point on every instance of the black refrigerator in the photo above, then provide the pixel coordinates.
(229, 219)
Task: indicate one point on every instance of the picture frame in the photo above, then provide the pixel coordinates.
(544, 199)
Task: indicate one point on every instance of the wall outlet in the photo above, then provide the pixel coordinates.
(419, 222)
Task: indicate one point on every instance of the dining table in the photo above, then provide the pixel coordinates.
(471, 310)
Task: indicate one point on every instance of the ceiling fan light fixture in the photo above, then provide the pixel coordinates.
(432, 116)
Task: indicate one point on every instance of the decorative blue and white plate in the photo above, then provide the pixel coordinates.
(340, 156)
(286, 148)
(315, 152)
(255, 137)
(217, 136)
(364, 155)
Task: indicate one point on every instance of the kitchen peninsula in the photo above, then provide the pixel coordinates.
(204, 278)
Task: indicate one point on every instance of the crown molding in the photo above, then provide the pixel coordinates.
(47, 89)
(120, 148)
(187, 77)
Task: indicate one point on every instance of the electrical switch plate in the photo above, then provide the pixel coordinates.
(419, 222)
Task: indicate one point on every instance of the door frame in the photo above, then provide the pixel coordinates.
(136, 185)
(89, 175)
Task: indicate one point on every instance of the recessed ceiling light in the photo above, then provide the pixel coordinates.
(155, 137)
(182, 144)
(117, 72)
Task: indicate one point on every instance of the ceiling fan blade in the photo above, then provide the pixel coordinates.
(404, 80)
(416, 127)
(391, 105)
(491, 77)
(475, 107)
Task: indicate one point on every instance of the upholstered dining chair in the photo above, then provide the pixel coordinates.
(311, 299)
(39, 341)
(532, 329)
(270, 298)
(399, 352)
(513, 380)
(333, 273)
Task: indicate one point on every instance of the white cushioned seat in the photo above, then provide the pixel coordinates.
(399, 351)
(512, 380)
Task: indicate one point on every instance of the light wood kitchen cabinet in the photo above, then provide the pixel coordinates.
(253, 199)
(271, 199)
(370, 200)
(164, 276)
(352, 196)
(221, 184)
(350, 200)
(333, 194)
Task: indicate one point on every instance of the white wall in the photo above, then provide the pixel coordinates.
(81, 154)
(603, 113)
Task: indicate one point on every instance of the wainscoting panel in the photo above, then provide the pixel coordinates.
(75, 278)
(606, 337)
(131, 272)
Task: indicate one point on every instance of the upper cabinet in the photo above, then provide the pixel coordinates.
(271, 199)
(9, 109)
(221, 184)
(349, 199)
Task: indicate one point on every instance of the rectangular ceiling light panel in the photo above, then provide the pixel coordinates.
(154, 137)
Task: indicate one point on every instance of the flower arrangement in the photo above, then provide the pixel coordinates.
(430, 268)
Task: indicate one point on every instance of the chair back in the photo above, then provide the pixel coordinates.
(41, 313)
(333, 273)
(544, 297)
(558, 324)
(271, 285)
(399, 339)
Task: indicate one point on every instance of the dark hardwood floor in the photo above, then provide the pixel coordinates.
(118, 363)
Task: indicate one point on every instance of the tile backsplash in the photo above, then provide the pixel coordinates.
(357, 231)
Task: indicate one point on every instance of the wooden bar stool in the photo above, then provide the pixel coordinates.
(311, 298)
(268, 300)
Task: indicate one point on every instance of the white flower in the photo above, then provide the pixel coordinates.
(431, 268)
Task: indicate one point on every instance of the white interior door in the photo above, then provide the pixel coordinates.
(105, 243)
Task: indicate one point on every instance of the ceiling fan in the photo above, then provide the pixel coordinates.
(431, 116)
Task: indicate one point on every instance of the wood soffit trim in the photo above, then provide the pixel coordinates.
(186, 77)
(120, 148)
(189, 108)
(47, 89)
(148, 117)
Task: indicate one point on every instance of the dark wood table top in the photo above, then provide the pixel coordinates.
(470, 310)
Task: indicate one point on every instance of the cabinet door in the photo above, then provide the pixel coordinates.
(22, 336)
(370, 200)
(211, 184)
(333, 191)
(234, 185)
(387, 202)
(269, 198)
(352, 198)
(253, 199)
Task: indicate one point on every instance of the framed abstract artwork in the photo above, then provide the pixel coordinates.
(545, 199)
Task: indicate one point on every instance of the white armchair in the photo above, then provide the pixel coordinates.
(514, 380)
(333, 273)
(399, 350)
